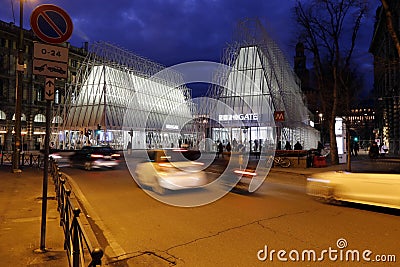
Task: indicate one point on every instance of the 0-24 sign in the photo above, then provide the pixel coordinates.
(50, 52)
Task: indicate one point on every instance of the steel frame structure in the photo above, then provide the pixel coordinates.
(261, 80)
(116, 93)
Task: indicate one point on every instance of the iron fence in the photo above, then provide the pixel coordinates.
(25, 159)
(79, 249)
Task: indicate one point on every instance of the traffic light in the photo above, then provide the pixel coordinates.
(355, 139)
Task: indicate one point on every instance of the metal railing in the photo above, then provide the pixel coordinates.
(79, 249)
(26, 159)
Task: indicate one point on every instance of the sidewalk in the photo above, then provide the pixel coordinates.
(20, 220)
(361, 163)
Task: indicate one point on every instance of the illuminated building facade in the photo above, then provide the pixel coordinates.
(117, 99)
(259, 85)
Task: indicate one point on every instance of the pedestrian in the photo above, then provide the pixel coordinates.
(320, 147)
(129, 147)
(279, 145)
(356, 148)
(228, 147)
(255, 145)
(288, 146)
(383, 150)
(373, 150)
(298, 146)
(220, 150)
(235, 144)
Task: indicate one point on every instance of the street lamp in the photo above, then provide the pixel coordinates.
(321, 119)
(18, 89)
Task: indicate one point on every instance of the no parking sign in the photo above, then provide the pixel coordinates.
(51, 24)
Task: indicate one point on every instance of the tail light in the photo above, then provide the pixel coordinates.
(96, 156)
(197, 163)
(244, 172)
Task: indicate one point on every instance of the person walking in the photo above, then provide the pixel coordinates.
(373, 150)
(288, 146)
(220, 150)
(298, 146)
(228, 147)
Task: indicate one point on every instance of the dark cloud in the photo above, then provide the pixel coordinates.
(176, 31)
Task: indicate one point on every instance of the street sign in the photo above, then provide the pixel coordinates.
(51, 24)
(50, 52)
(50, 68)
(49, 89)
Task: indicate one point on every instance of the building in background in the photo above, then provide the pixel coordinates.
(119, 97)
(258, 102)
(387, 78)
(33, 99)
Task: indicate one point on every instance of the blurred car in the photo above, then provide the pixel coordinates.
(377, 189)
(237, 172)
(91, 157)
(170, 169)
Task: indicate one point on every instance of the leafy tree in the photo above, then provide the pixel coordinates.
(328, 29)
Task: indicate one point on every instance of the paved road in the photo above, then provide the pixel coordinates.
(137, 230)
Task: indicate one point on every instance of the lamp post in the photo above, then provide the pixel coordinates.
(321, 119)
(18, 90)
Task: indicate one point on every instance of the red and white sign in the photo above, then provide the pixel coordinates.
(51, 24)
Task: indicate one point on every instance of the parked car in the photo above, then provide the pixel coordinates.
(91, 157)
(378, 189)
(170, 170)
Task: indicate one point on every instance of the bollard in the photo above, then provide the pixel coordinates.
(96, 254)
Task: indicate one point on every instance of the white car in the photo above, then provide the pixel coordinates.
(378, 189)
(168, 169)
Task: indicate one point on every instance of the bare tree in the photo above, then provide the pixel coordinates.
(389, 24)
(329, 31)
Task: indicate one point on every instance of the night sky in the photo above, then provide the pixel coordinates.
(176, 31)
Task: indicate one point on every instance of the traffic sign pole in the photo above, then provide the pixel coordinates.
(52, 25)
(45, 178)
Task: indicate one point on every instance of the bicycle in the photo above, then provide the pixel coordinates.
(284, 162)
